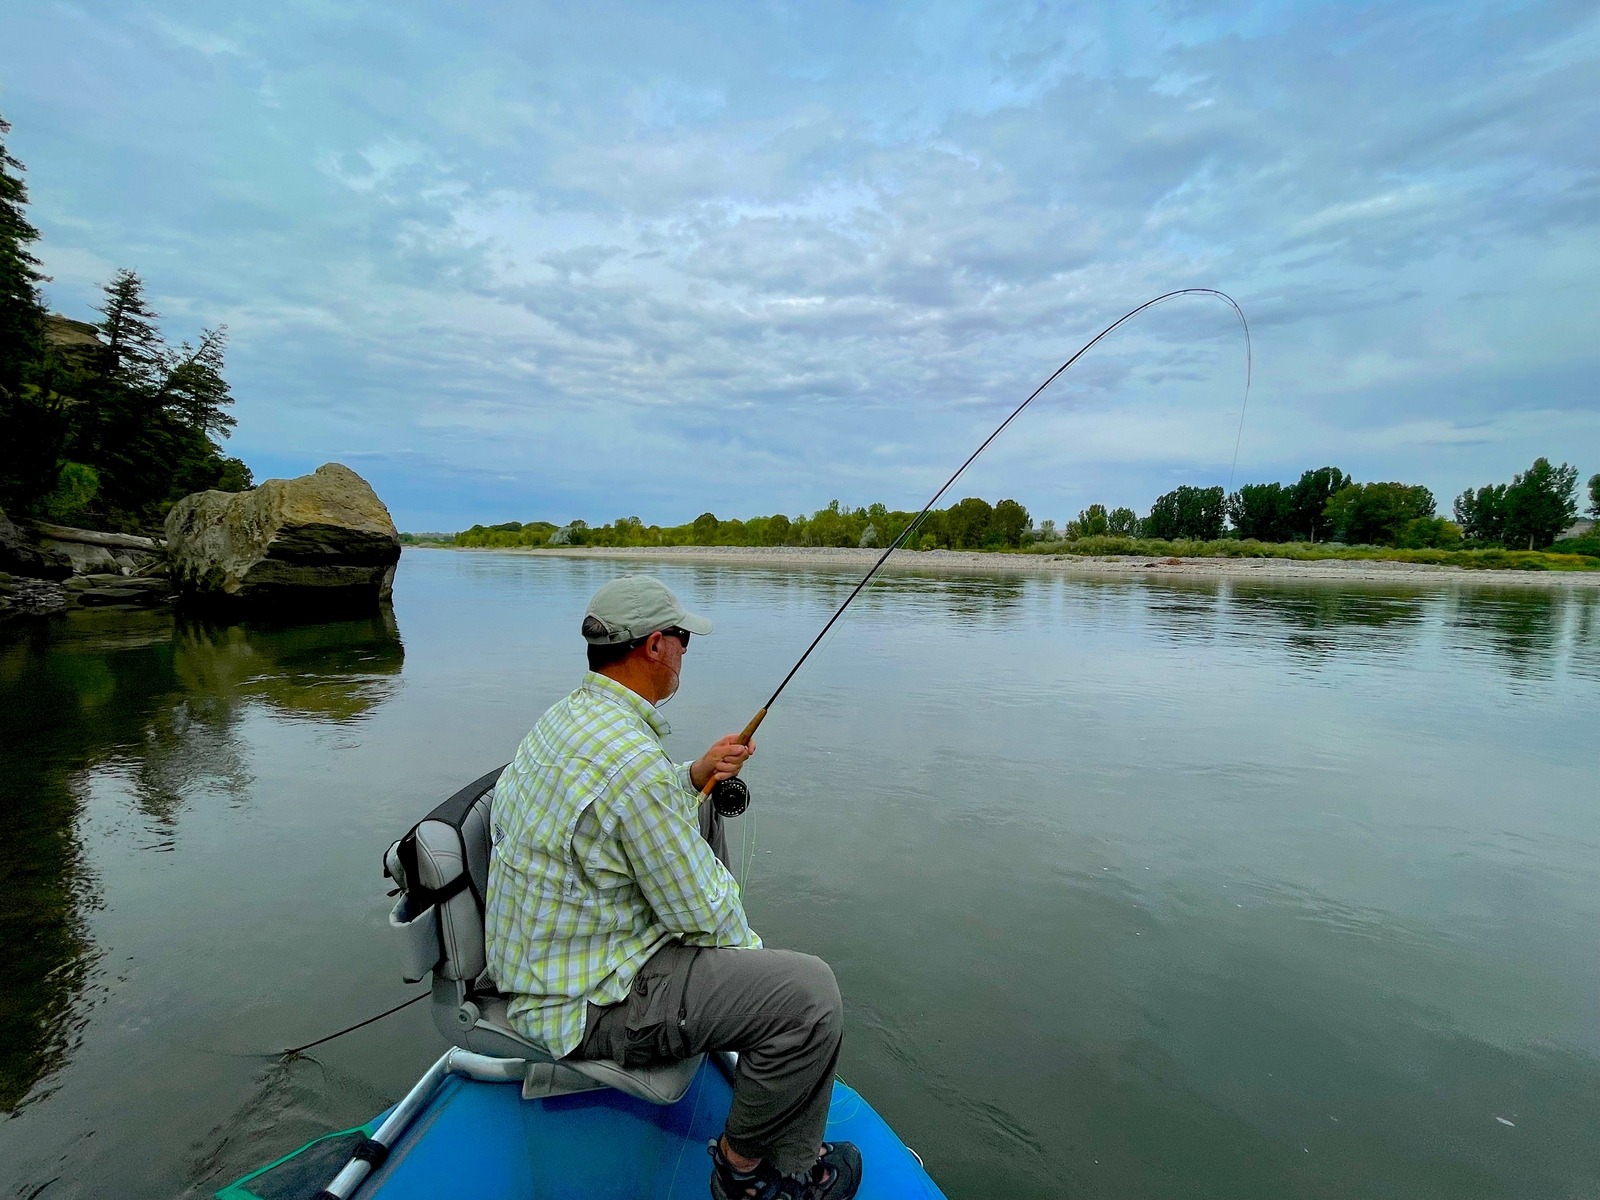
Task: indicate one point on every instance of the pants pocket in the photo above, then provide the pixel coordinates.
(656, 1030)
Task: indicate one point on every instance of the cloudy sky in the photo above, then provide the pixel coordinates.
(511, 261)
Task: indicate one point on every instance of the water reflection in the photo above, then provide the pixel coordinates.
(1318, 621)
(1586, 635)
(159, 704)
(1210, 923)
(1185, 610)
(987, 601)
(1522, 627)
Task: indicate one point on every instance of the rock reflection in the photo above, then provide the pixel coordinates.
(160, 705)
(338, 671)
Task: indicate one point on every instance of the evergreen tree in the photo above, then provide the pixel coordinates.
(21, 310)
(1594, 496)
(151, 415)
(117, 428)
(134, 354)
(31, 416)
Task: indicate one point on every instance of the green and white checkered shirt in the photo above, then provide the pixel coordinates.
(596, 862)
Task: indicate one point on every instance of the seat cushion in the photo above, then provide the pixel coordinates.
(493, 1034)
(441, 861)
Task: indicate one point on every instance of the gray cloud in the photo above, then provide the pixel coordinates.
(826, 247)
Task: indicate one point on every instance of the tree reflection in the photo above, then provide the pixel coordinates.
(160, 703)
(1522, 625)
(1586, 634)
(1319, 618)
(1184, 609)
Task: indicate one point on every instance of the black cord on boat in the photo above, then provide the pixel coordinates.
(356, 1026)
(1059, 371)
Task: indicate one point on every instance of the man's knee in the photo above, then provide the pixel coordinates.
(818, 990)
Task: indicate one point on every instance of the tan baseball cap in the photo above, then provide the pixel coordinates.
(634, 606)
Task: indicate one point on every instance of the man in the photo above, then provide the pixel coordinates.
(617, 929)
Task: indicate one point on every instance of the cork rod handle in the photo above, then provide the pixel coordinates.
(744, 740)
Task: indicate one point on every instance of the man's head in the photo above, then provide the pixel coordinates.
(637, 632)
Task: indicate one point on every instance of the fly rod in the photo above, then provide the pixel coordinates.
(761, 713)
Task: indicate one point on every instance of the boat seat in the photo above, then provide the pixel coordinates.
(442, 868)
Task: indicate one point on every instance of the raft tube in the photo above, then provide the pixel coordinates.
(461, 1133)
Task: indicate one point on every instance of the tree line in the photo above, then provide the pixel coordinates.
(102, 424)
(1323, 505)
(1328, 505)
(970, 524)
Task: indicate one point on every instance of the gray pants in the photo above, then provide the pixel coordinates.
(779, 1009)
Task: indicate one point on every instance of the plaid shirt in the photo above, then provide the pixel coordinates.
(596, 862)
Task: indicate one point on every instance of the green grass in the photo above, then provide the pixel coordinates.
(1502, 560)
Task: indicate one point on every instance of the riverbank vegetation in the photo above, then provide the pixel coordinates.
(1324, 515)
(1484, 559)
(102, 424)
(971, 524)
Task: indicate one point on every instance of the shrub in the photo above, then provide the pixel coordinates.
(1588, 544)
(75, 490)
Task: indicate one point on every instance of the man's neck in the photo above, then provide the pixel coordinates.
(630, 676)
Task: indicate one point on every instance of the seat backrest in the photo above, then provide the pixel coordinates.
(442, 866)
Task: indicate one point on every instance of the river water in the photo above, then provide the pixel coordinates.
(1134, 889)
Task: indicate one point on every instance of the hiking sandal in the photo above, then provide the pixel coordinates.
(764, 1183)
(836, 1175)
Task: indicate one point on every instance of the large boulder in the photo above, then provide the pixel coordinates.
(323, 539)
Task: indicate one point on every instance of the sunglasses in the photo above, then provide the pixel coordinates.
(681, 634)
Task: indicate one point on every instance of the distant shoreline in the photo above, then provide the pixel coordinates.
(968, 562)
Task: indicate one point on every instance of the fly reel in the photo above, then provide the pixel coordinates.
(730, 796)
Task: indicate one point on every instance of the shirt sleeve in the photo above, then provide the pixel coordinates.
(693, 894)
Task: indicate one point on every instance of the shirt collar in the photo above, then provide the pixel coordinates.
(603, 685)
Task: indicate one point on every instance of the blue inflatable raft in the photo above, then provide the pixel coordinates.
(465, 1130)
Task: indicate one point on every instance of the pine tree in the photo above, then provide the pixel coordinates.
(128, 416)
(32, 425)
(134, 354)
(121, 404)
(21, 310)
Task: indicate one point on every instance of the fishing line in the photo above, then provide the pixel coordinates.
(904, 535)
(356, 1026)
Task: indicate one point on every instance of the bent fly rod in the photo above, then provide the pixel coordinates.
(761, 713)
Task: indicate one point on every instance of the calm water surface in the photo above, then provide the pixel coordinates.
(1134, 889)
